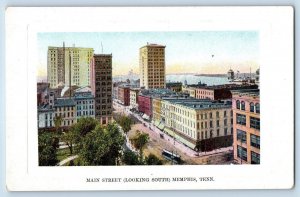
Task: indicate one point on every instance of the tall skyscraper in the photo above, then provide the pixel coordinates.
(67, 65)
(101, 84)
(152, 66)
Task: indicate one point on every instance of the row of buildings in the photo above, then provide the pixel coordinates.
(203, 124)
(201, 117)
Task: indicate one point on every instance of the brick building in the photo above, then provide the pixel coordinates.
(101, 85)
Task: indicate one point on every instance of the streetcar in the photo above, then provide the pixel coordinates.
(171, 156)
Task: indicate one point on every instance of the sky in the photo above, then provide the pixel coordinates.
(205, 52)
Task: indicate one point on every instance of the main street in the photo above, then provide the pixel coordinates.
(160, 140)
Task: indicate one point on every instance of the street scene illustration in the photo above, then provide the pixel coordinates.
(148, 98)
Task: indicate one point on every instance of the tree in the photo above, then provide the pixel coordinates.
(125, 122)
(102, 146)
(85, 125)
(79, 130)
(47, 147)
(70, 138)
(130, 158)
(153, 160)
(57, 121)
(139, 142)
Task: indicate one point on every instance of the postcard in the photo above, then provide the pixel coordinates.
(149, 98)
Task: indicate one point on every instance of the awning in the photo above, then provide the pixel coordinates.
(161, 126)
(179, 138)
(156, 123)
(145, 116)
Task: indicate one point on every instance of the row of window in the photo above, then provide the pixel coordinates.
(204, 116)
(85, 107)
(242, 154)
(211, 135)
(85, 113)
(254, 139)
(253, 107)
(211, 124)
(254, 122)
(65, 108)
(65, 114)
(85, 102)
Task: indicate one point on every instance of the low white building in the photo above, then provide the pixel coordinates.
(134, 93)
(45, 116)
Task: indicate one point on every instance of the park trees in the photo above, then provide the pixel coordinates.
(47, 147)
(139, 142)
(125, 122)
(102, 146)
(153, 160)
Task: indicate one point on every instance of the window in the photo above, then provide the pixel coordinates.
(205, 134)
(217, 114)
(218, 132)
(240, 119)
(238, 104)
(201, 125)
(210, 124)
(241, 136)
(255, 141)
(243, 105)
(218, 123)
(225, 122)
(255, 158)
(251, 107)
(257, 109)
(211, 133)
(225, 131)
(255, 123)
(210, 115)
(205, 124)
(225, 114)
(242, 153)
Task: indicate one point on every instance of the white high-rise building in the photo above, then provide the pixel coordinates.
(67, 65)
(152, 66)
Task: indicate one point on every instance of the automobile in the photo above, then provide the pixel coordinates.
(161, 135)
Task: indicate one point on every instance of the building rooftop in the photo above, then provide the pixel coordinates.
(103, 55)
(83, 96)
(70, 48)
(230, 86)
(44, 108)
(173, 83)
(153, 45)
(200, 103)
(83, 89)
(62, 102)
(246, 92)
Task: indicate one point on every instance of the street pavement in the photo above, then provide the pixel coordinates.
(168, 139)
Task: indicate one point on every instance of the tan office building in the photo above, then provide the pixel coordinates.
(69, 64)
(152, 66)
(246, 126)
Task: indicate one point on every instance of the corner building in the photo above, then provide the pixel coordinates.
(101, 85)
(246, 126)
(152, 66)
